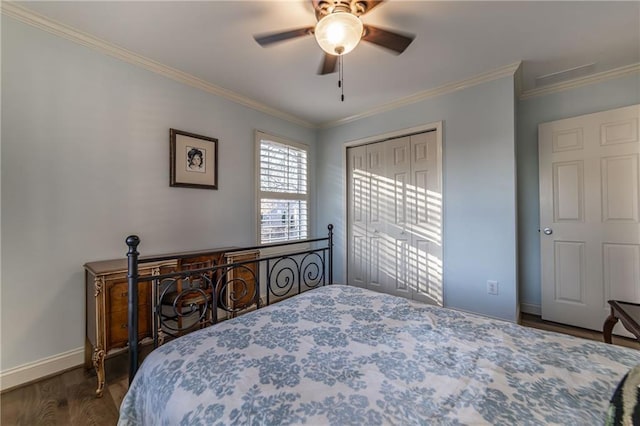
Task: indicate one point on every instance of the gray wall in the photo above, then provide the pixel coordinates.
(479, 189)
(531, 112)
(85, 155)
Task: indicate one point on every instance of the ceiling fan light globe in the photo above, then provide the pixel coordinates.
(338, 33)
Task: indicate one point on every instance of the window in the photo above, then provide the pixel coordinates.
(283, 195)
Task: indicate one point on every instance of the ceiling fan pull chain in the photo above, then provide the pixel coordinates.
(341, 77)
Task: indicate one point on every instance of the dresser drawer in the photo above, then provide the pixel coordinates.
(118, 295)
(117, 327)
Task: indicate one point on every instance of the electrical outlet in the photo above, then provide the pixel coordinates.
(492, 287)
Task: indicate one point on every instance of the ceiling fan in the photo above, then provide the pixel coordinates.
(339, 29)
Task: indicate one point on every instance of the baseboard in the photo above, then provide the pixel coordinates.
(529, 308)
(39, 369)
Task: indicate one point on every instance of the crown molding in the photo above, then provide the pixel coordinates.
(505, 71)
(36, 20)
(581, 81)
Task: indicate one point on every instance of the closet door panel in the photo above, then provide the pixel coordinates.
(358, 211)
(426, 217)
(397, 179)
(377, 219)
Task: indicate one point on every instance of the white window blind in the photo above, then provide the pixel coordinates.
(283, 190)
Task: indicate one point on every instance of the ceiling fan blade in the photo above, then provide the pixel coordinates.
(390, 40)
(328, 64)
(267, 39)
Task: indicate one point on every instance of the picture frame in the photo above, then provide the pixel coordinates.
(193, 160)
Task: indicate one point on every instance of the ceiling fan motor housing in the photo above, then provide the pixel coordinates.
(327, 7)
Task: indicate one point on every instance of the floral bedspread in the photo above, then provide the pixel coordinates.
(346, 356)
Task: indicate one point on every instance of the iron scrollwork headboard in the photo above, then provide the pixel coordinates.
(201, 294)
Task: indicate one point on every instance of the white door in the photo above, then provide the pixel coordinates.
(395, 217)
(589, 207)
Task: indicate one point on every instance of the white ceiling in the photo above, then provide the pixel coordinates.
(454, 41)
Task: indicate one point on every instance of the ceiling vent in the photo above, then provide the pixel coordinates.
(564, 75)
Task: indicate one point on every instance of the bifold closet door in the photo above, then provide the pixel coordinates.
(395, 217)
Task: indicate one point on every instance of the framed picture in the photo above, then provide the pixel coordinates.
(193, 160)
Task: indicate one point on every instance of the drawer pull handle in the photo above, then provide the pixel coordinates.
(125, 294)
(123, 325)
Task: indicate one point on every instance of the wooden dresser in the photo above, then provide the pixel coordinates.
(107, 298)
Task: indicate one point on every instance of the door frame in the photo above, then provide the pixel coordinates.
(438, 127)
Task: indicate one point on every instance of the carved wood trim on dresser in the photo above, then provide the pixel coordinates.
(106, 308)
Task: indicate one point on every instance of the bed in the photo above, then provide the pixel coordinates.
(345, 355)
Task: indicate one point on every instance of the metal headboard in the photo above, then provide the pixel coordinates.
(227, 287)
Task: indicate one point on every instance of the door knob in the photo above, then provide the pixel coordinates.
(547, 231)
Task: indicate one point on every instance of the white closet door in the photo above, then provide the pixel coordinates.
(395, 217)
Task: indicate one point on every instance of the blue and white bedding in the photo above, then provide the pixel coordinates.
(343, 355)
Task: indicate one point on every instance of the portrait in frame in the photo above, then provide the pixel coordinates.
(193, 160)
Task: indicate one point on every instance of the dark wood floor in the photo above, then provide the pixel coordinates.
(535, 321)
(68, 398)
